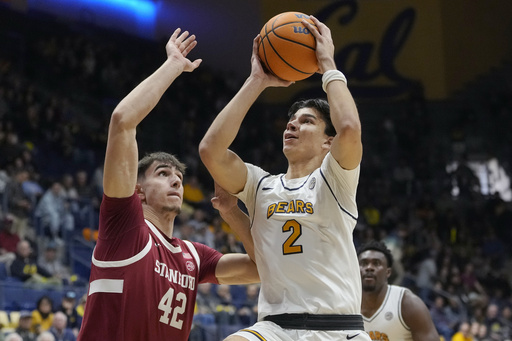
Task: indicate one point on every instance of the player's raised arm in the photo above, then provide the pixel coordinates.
(120, 169)
(226, 168)
(346, 148)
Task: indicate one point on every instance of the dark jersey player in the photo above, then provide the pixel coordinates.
(143, 282)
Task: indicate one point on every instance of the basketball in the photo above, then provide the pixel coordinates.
(287, 47)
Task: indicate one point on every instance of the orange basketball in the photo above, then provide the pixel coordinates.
(287, 48)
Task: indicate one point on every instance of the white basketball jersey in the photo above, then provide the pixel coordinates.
(387, 322)
(302, 231)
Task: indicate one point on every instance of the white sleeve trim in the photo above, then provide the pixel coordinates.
(124, 262)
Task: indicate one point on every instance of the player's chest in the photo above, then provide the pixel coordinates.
(175, 268)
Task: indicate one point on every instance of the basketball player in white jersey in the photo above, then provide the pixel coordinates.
(143, 281)
(390, 312)
(302, 220)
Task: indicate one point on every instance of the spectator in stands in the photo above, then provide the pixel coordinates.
(51, 260)
(87, 198)
(70, 192)
(59, 328)
(193, 194)
(472, 287)
(42, 316)
(9, 239)
(46, 336)
(54, 213)
(68, 307)
(492, 319)
(13, 337)
(206, 301)
(426, 277)
(248, 312)
(482, 334)
(26, 269)
(443, 317)
(80, 308)
(225, 312)
(204, 316)
(19, 203)
(202, 234)
(24, 326)
(464, 332)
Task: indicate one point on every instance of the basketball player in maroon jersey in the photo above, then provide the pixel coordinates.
(143, 282)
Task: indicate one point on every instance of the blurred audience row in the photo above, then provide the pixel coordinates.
(448, 236)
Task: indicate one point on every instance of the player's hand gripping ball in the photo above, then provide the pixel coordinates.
(287, 47)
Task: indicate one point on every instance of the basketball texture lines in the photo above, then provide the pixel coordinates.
(287, 47)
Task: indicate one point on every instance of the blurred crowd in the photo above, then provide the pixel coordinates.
(59, 84)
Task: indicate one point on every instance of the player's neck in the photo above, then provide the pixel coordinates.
(372, 300)
(300, 168)
(164, 222)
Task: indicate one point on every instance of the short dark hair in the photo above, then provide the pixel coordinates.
(377, 246)
(164, 157)
(321, 106)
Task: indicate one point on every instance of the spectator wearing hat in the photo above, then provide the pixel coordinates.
(24, 324)
(68, 307)
(59, 328)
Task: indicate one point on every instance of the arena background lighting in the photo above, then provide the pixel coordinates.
(132, 16)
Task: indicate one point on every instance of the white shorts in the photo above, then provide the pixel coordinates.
(269, 331)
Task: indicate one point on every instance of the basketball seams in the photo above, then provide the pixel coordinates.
(282, 59)
(279, 32)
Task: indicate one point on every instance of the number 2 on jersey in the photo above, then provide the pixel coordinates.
(289, 247)
(166, 304)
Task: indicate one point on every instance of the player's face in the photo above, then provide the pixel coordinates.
(374, 270)
(305, 134)
(163, 187)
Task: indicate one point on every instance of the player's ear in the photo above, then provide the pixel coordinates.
(140, 192)
(328, 142)
(388, 272)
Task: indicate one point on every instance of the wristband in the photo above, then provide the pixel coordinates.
(332, 75)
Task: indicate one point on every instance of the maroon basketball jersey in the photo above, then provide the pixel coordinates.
(143, 284)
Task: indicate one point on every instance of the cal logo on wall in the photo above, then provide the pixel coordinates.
(388, 47)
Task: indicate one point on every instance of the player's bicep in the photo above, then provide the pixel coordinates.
(236, 268)
(347, 150)
(229, 172)
(417, 317)
(120, 167)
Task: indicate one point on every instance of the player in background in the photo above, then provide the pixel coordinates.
(143, 281)
(302, 220)
(390, 312)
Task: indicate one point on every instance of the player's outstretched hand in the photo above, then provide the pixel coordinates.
(223, 201)
(179, 46)
(324, 44)
(259, 72)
